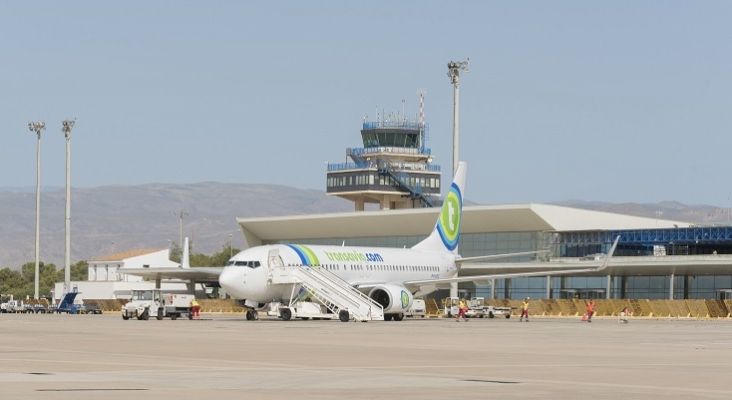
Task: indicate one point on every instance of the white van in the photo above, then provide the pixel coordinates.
(418, 309)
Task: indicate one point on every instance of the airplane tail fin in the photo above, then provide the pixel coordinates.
(185, 259)
(447, 229)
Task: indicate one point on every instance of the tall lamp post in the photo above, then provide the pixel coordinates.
(181, 215)
(453, 72)
(37, 127)
(68, 125)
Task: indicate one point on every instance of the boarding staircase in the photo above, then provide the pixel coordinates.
(325, 287)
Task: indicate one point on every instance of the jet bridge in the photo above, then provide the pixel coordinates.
(338, 296)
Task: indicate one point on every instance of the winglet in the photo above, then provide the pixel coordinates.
(185, 257)
(609, 255)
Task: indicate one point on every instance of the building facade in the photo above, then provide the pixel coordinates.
(655, 259)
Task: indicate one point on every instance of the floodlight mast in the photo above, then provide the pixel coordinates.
(453, 72)
(37, 127)
(67, 126)
(181, 214)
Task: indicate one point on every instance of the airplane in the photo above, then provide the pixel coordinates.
(390, 276)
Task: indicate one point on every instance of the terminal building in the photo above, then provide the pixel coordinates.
(655, 259)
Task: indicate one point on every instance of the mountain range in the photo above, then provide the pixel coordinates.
(112, 219)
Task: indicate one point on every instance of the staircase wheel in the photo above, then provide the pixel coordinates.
(344, 316)
(285, 314)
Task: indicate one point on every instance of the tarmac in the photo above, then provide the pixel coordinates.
(226, 357)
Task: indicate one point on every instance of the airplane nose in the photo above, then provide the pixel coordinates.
(228, 280)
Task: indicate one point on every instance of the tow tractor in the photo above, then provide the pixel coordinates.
(476, 308)
(153, 302)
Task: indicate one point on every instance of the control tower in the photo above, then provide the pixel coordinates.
(392, 169)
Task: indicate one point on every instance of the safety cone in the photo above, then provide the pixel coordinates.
(584, 317)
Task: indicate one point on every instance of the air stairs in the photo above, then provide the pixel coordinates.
(325, 287)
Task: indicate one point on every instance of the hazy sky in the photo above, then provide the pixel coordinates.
(609, 101)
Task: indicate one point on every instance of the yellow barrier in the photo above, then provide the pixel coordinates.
(431, 307)
(715, 309)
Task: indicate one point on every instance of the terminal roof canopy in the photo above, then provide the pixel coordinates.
(528, 217)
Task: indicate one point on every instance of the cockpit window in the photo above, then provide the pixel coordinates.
(230, 263)
(250, 264)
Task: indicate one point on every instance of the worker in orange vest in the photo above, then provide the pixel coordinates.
(590, 309)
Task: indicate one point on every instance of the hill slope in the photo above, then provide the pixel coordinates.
(116, 218)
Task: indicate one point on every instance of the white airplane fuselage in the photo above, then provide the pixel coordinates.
(246, 274)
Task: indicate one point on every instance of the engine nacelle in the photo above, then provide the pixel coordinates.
(394, 298)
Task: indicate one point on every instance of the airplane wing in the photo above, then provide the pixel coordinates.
(464, 260)
(444, 283)
(197, 274)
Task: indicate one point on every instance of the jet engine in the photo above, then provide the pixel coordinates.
(394, 298)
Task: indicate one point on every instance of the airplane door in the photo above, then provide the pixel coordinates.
(274, 259)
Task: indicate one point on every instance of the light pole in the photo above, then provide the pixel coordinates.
(181, 215)
(231, 243)
(658, 215)
(37, 127)
(68, 125)
(453, 72)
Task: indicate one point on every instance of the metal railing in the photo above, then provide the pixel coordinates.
(393, 124)
(390, 149)
(374, 165)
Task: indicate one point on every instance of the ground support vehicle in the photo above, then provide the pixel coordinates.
(67, 303)
(492, 312)
(153, 302)
(418, 309)
(39, 308)
(303, 310)
(478, 309)
(93, 309)
(452, 306)
(14, 306)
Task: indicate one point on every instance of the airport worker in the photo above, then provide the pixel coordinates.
(461, 311)
(624, 315)
(525, 309)
(590, 309)
(195, 309)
